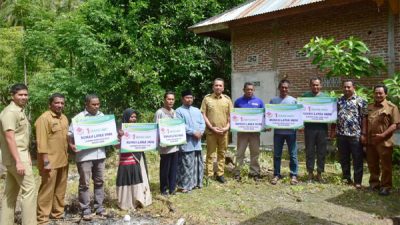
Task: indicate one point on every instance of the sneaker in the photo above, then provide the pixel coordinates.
(293, 180)
(384, 192)
(220, 179)
(87, 217)
(274, 180)
(358, 186)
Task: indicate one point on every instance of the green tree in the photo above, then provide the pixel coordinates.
(350, 57)
(10, 60)
(129, 52)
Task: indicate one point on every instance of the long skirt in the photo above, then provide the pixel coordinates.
(133, 192)
(198, 171)
(190, 170)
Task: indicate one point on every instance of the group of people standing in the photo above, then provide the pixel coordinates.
(361, 129)
(181, 167)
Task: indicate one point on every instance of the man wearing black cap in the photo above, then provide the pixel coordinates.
(190, 161)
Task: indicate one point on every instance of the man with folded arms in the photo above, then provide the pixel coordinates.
(216, 108)
(190, 160)
(383, 118)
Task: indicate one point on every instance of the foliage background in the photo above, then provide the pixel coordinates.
(128, 52)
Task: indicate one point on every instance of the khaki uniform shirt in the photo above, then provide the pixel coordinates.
(13, 118)
(380, 118)
(51, 136)
(217, 110)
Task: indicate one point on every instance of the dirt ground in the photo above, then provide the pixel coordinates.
(247, 202)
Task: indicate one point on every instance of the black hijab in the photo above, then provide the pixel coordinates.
(125, 119)
(127, 114)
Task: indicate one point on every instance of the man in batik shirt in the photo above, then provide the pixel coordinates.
(351, 131)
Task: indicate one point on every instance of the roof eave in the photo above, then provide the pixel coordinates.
(222, 30)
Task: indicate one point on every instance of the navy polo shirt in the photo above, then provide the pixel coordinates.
(252, 102)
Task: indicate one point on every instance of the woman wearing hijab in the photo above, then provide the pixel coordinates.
(133, 188)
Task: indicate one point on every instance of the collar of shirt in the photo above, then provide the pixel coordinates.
(215, 96)
(384, 103)
(251, 98)
(351, 98)
(19, 108)
(86, 113)
(53, 114)
(186, 107)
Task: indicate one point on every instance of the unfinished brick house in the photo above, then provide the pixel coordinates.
(266, 36)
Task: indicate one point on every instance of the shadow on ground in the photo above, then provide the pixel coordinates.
(369, 202)
(285, 216)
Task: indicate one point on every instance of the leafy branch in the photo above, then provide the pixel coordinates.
(350, 57)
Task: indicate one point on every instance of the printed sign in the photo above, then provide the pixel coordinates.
(172, 132)
(396, 138)
(283, 116)
(139, 137)
(247, 119)
(94, 131)
(319, 110)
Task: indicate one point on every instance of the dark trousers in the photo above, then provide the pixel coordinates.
(316, 142)
(168, 169)
(350, 148)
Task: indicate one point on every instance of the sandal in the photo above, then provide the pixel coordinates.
(294, 181)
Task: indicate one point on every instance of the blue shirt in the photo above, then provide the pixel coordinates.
(252, 102)
(287, 100)
(194, 123)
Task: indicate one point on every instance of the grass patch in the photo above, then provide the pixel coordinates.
(250, 202)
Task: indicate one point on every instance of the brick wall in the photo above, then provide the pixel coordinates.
(276, 42)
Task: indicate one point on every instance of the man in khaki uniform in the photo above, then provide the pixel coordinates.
(14, 141)
(216, 109)
(383, 117)
(52, 146)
